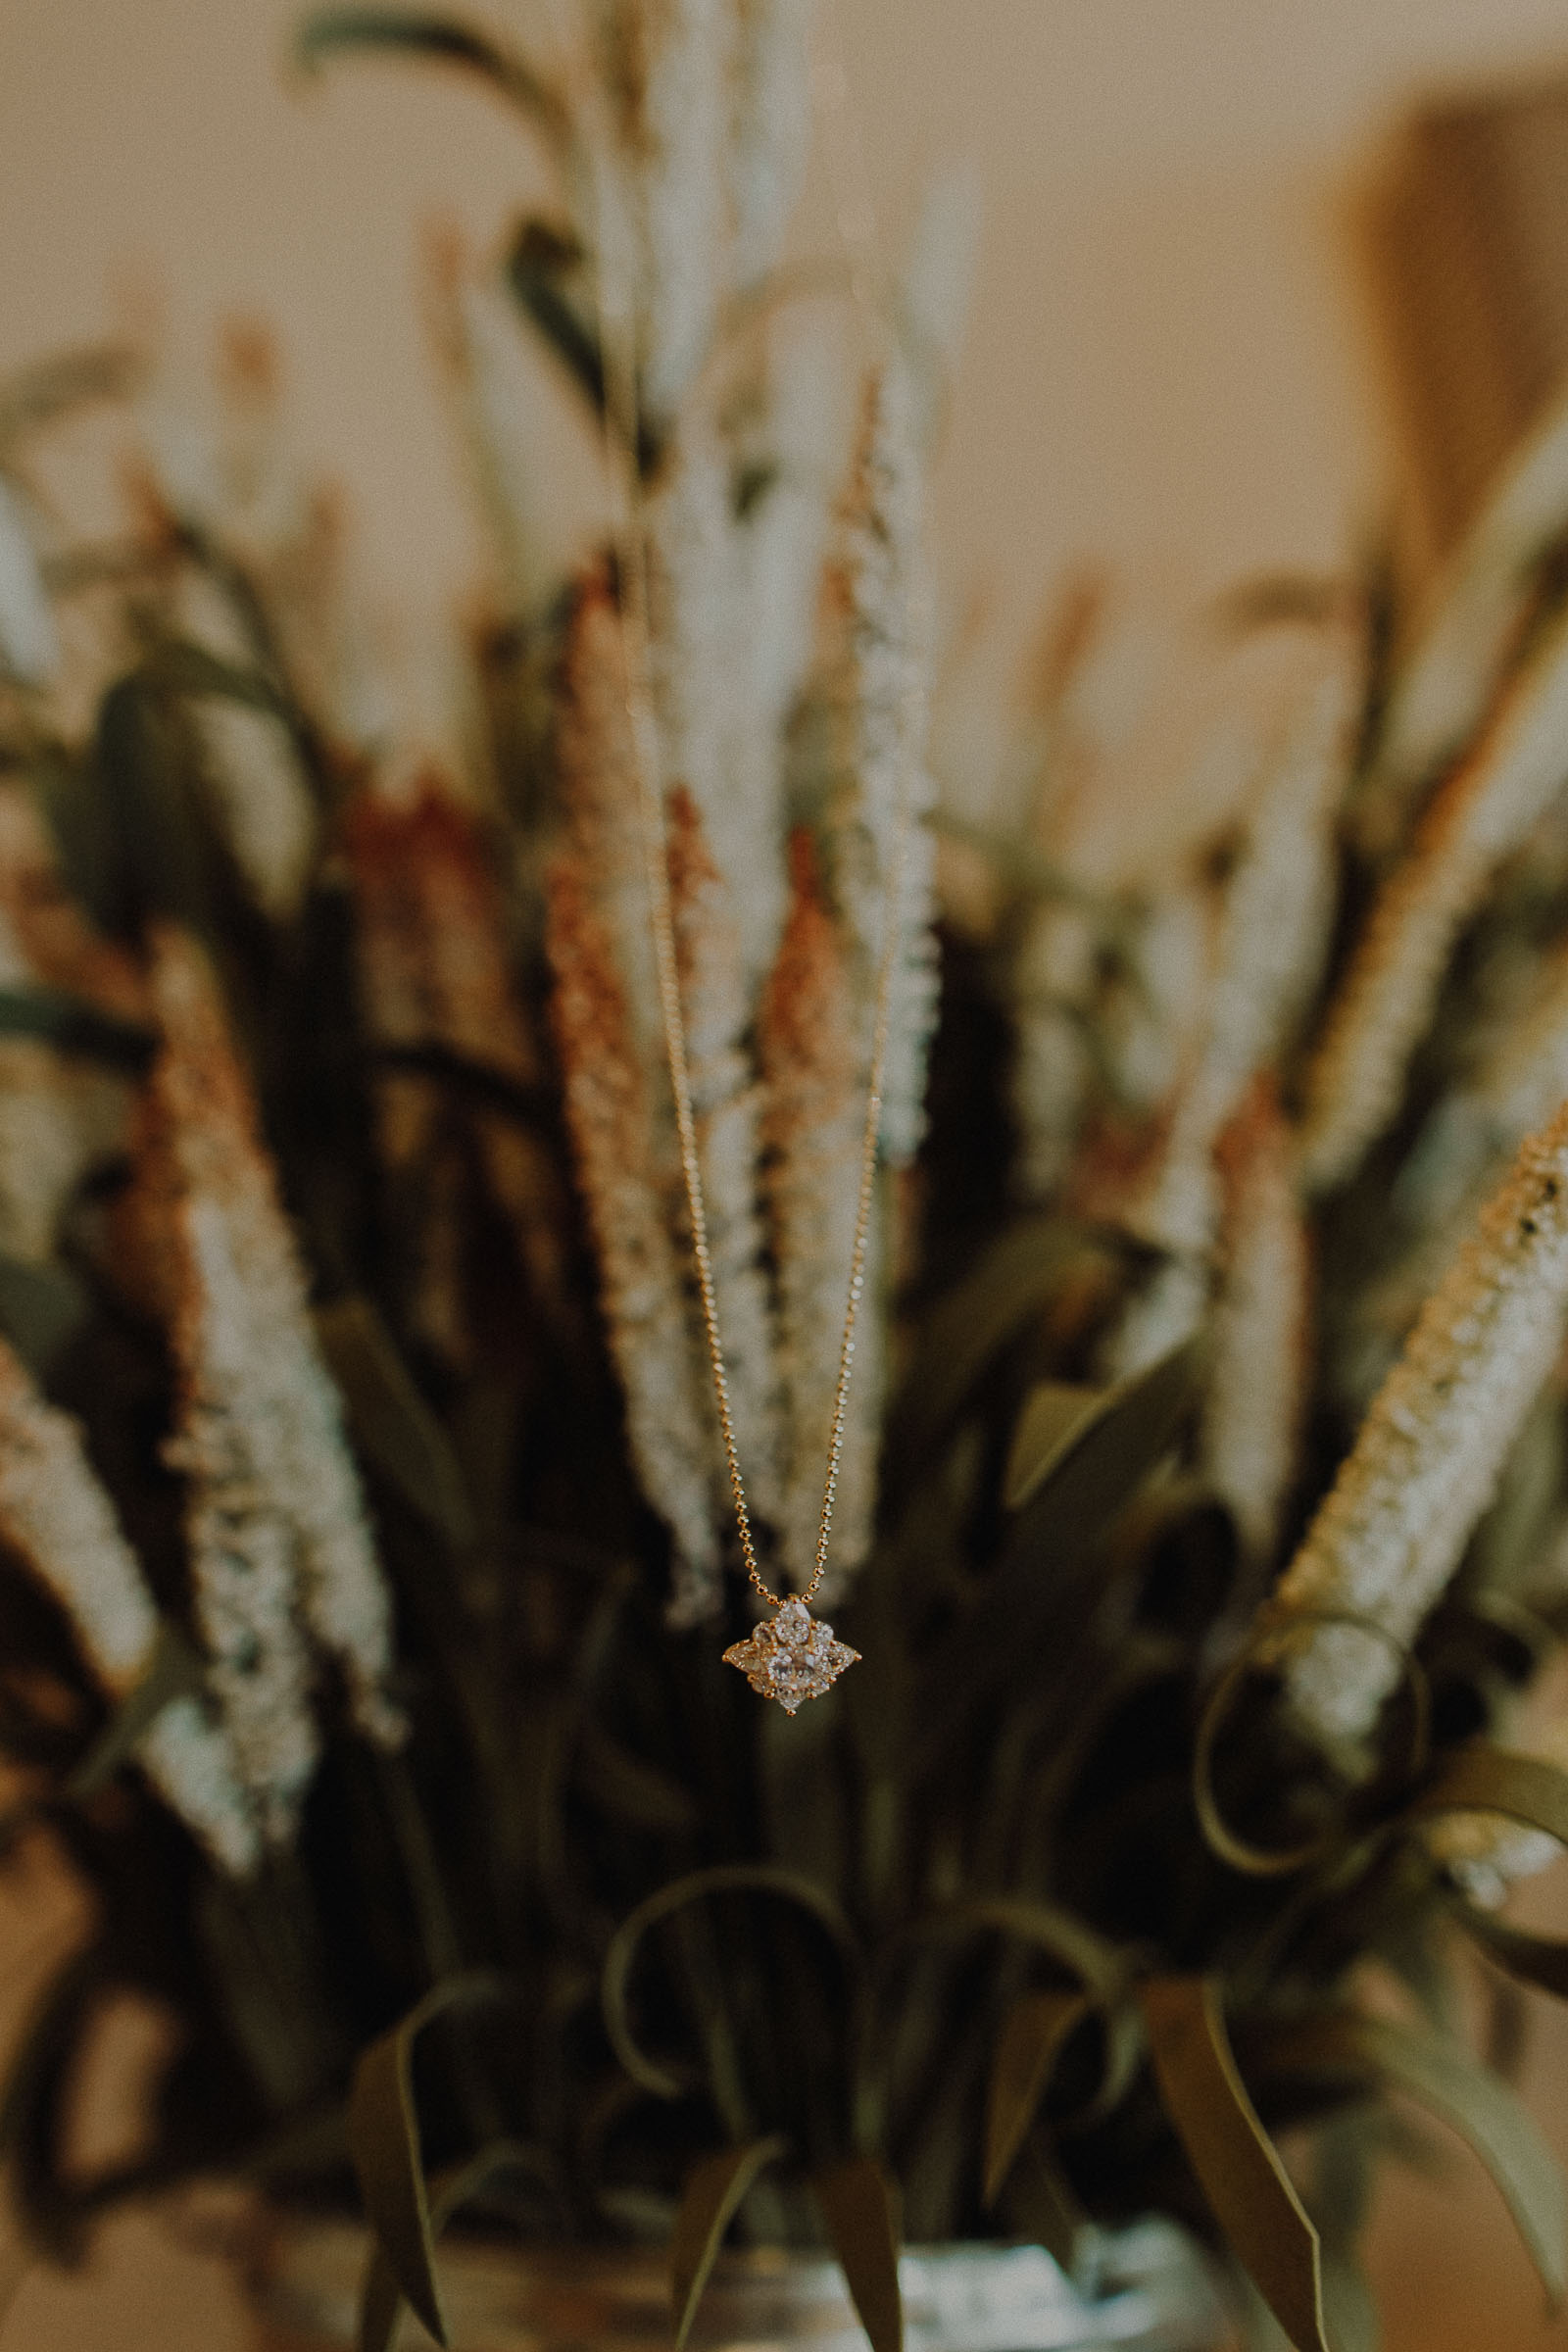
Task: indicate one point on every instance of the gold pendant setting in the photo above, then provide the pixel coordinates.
(791, 1658)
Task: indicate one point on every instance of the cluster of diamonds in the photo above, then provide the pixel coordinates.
(792, 1658)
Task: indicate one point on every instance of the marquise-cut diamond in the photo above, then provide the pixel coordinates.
(792, 1658)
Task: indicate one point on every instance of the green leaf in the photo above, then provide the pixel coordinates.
(183, 666)
(173, 1671)
(1444, 2080)
(42, 1310)
(1090, 1451)
(1483, 1779)
(973, 1322)
(1036, 2032)
(859, 2207)
(1237, 2165)
(733, 1877)
(629, 1788)
(1053, 1415)
(74, 1026)
(384, 2143)
(135, 834)
(715, 2190)
(381, 2297)
(1095, 1962)
(541, 265)
(389, 1420)
(442, 41)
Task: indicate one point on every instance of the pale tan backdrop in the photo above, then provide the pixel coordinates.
(1168, 367)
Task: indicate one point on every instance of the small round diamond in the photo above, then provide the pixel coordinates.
(793, 1624)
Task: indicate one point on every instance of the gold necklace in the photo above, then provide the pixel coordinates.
(791, 1656)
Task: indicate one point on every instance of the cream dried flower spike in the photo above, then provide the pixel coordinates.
(791, 1656)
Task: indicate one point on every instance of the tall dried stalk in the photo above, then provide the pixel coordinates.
(1390, 1532)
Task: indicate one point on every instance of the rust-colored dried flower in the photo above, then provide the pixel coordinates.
(812, 1132)
(670, 1421)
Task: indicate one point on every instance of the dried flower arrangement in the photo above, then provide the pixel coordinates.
(362, 1555)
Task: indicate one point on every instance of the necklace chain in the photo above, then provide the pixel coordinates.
(642, 727)
(623, 417)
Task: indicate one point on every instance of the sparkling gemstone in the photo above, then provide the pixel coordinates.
(793, 1624)
(792, 1658)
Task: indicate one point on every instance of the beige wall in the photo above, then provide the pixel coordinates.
(1167, 365)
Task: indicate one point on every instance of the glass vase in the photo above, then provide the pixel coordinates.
(1148, 2288)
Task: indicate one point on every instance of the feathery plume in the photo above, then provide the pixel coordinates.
(1152, 1017)
(935, 285)
(1482, 603)
(772, 128)
(1161, 1316)
(1273, 936)
(596, 762)
(700, 666)
(780, 541)
(1393, 1527)
(434, 969)
(670, 1421)
(60, 1523)
(883, 786)
(668, 64)
(1280, 903)
(726, 1104)
(1452, 1163)
(1053, 983)
(480, 341)
(811, 1133)
(1259, 1360)
(276, 1519)
(1481, 813)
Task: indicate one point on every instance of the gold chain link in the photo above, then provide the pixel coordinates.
(622, 421)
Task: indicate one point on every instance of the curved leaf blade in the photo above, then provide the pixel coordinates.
(1237, 2163)
(739, 1878)
(968, 1327)
(1091, 1957)
(173, 1670)
(1442, 2077)
(1033, 2037)
(1092, 1455)
(716, 2190)
(1055, 1414)
(381, 2297)
(860, 2208)
(388, 1418)
(384, 2142)
(442, 41)
(1483, 1779)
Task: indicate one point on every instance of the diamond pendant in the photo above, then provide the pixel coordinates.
(792, 1658)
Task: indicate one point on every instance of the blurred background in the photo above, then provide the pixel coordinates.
(1257, 282)
(1184, 356)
